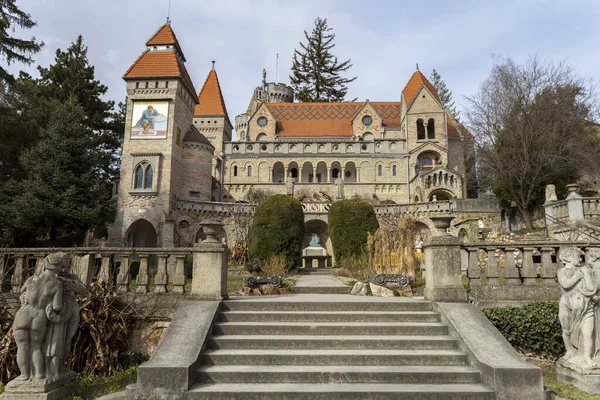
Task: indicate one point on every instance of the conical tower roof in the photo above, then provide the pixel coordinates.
(163, 58)
(414, 85)
(211, 97)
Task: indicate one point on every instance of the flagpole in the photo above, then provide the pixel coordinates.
(276, 66)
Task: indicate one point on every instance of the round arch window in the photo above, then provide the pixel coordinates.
(262, 121)
(367, 120)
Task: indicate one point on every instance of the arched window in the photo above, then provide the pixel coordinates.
(393, 170)
(367, 136)
(249, 170)
(431, 129)
(235, 170)
(420, 130)
(379, 170)
(144, 174)
(262, 137)
(335, 173)
(294, 172)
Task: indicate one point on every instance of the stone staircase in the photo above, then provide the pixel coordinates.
(394, 349)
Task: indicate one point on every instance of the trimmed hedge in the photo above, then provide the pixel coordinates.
(533, 328)
(350, 222)
(277, 229)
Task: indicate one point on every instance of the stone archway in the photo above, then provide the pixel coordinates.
(141, 234)
(321, 228)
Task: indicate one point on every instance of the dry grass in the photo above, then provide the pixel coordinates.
(276, 265)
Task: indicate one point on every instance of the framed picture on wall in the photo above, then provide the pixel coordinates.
(149, 120)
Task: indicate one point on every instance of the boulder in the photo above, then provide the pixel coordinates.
(381, 291)
(269, 290)
(360, 289)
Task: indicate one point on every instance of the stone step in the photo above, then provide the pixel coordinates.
(330, 328)
(315, 271)
(332, 357)
(272, 304)
(299, 342)
(336, 374)
(299, 391)
(322, 289)
(329, 316)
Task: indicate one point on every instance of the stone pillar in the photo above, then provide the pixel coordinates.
(300, 173)
(357, 174)
(511, 273)
(142, 278)
(104, 275)
(161, 278)
(124, 275)
(528, 270)
(473, 270)
(20, 274)
(314, 174)
(209, 276)
(549, 214)
(328, 179)
(443, 274)
(574, 203)
(179, 274)
(548, 272)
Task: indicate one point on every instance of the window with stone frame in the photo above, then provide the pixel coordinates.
(144, 176)
(431, 128)
(420, 130)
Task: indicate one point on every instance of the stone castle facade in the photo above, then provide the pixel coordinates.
(179, 147)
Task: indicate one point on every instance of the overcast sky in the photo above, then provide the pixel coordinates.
(384, 39)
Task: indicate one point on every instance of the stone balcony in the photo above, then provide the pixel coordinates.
(315, 147)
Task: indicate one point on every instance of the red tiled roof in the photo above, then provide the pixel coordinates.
(416, 81)
(211, 97)
(194, 136)
(326, 119)
(451, 124)
(159, 64)
(165, 36)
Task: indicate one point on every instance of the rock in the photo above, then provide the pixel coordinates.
(360, 289)
(381, 291)
(269, 290)
(396, 286)
(245, 291)
(255, 292)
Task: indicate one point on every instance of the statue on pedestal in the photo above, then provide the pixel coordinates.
(314, 241)
(289, 184)
(45, 325)
(339, 184)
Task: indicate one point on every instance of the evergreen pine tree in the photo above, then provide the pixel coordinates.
(445, 94)
(65, 193)
(12, 48)
(316, 71)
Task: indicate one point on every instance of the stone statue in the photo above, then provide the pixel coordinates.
(418, 243)
(550, 193)
(45, 324)
(314, 241)
(577, 311)
(339, 184)
(289, 184)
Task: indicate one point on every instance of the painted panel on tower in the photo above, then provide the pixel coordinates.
(149, 120)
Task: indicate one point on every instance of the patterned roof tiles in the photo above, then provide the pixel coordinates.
(165, 36)
(326, 119)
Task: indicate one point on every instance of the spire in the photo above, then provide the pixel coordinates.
(414, 85)
(213, 65)
(211, 97)
(417, 66)
(163, 58)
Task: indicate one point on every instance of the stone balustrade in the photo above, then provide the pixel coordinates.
(415, 209)
(513, 264)
(591, 207)
(314, 147)
(141, 270)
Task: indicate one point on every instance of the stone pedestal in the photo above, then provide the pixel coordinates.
(443, 275)
(209, 276)
(314, 257)
(41, 390)
(587, 383)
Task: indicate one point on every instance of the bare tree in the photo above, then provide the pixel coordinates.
(533, 125)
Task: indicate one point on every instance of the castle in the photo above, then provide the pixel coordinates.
(178, 146)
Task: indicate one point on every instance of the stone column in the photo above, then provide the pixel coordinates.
(314, 174)
(104, 275)
(574, 203)
(142, 278)
(124, 275)
(179, 274)
(443, 274)
(528, 270)
(300, 173)
(511, 273)
(548, 272)
(209, 276)
(357, 174)
(161, 278)
(328, 179)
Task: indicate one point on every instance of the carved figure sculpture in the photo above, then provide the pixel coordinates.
(576, 310)
(289, 184)
(551, 193)
(339, 184)
(47, 320)
(314, 241)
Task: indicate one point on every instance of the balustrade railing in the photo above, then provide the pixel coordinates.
(139, 270)
(514, 264)
(417, 209)
(591, 207)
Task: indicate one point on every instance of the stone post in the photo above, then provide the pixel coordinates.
(209, 276)
(104, 275)
(20, 274)
(443, 275)
(142, 277)
(179, 274)
(161, 278)
(574, 203)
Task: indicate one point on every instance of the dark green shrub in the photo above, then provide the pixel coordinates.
(277, 229)
(350, 222)
(533, 328)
